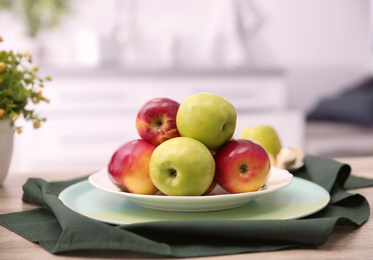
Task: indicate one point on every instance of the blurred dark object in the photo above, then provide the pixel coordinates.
(352, 106)
(337, 139)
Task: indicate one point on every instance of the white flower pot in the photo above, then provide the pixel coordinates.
(6, 148)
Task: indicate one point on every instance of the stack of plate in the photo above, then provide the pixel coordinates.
(283, 197)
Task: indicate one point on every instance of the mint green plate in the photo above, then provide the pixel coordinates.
(299, 199)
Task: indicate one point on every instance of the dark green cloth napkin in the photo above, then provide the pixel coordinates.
(59, 229)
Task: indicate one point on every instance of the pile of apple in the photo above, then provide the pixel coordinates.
(187, 149)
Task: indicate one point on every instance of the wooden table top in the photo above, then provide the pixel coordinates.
(344, 243)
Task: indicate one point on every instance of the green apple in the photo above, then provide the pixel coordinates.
(266, 136)
(208, 118)
(182, 166)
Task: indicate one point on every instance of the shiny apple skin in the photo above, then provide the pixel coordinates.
(182, 166)
(242, 166)
(207, 117)
(211, 188)
(156, 120)
(128, 168)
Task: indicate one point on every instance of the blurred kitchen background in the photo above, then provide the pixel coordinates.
(302, 66)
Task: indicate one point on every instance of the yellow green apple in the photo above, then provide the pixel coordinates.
(266, 136)
(210, 189)
(182, 166)
(208, 118)
(128, 167)
(242, 166)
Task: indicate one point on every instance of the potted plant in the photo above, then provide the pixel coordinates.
(20, 90)
(35, 18)
(37, 15)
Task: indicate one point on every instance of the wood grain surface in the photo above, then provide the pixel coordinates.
(344, 243)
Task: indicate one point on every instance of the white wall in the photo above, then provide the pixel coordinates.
(323, 44)
(318, 33)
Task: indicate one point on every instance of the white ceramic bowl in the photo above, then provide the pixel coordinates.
(218, 199)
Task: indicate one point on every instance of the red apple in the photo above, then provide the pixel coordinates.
(129, 167)
(156, 120)
(242, 166)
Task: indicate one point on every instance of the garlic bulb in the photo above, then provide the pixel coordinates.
(286, 158)
(289, 157)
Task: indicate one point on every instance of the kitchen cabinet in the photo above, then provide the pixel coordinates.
(92, 113)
